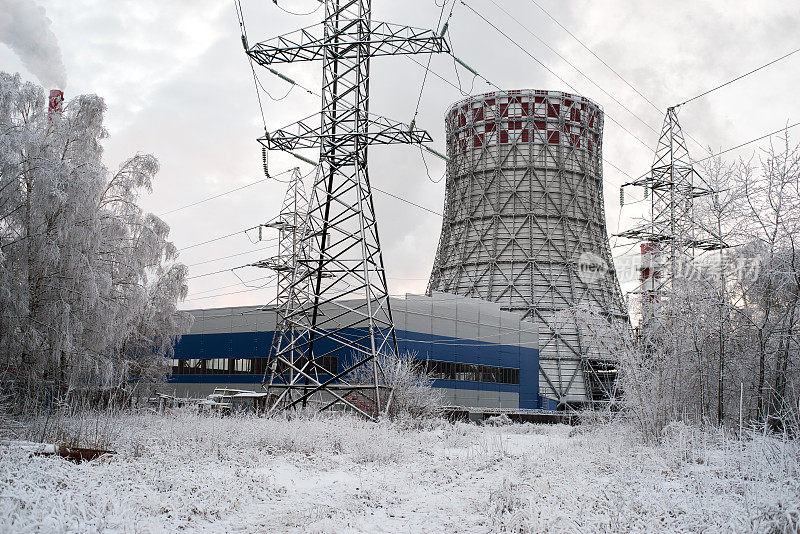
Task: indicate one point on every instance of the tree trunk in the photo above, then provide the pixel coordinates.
(783, 356)
(761, 393)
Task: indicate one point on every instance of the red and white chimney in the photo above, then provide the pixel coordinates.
(55, 103)
(649, 271)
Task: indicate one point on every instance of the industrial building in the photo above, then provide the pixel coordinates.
(524, 227)
(523, 245)
(480, 355)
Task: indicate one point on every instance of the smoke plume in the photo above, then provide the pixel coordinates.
(25, 28)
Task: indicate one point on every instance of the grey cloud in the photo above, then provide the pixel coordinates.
(178, 84)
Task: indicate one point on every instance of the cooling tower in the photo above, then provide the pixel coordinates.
(524, 226)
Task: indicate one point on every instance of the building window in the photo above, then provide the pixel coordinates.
(249, 366)
(470, 372)
(243, 366)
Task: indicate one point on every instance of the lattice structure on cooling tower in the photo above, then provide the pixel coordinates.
(346, 322)
(523, 220)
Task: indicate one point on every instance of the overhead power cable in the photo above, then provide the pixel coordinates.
(428, 171)
(430, 57)
(407, 201)
(785, 128)
(193, 204)
(454, 86)
(617, 74)
(218, 238)
(240, 17)
(226, 294)
(609, 67)
(229, 269)
(232, 285)
(568, 62)
(740, 77)
(230, 256)
(730, 149)
(431, 71)
(548, 69)
(296, 13)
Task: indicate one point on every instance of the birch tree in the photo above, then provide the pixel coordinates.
(89, 283)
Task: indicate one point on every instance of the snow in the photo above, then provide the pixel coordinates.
(340, 474)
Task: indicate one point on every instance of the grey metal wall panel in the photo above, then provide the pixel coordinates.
(470, 321)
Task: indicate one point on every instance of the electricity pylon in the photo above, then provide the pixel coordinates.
(672, 232)
(346, 322)
(290, 224)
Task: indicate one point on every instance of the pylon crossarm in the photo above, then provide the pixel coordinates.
(379, 131)
(307, 44)
(299, 45)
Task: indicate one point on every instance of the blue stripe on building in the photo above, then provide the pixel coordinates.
(237, 345)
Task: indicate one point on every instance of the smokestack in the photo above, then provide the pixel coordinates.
(55, 103)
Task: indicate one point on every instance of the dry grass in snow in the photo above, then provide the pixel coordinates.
(339, 474)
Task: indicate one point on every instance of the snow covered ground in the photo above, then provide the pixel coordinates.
(340, 474)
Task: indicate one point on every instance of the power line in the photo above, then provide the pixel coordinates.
(428, 171)
(218, 238)
(229, 256)
(225, 294)
(233, 285)
(785, 128)
(295, 13)
(548, 69)
(739, 77)
(713, 155)
(445, 80)
(407, 201)
(568, 62)
(605, 160)
(229, 269)
(240, 17)
(617, 74)
(193, 204)
(430, 56)
(609, 67)
(235, 189)
(451, 84)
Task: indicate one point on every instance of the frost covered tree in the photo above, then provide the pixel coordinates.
(88, 281)
(726, 327)
(764, 300)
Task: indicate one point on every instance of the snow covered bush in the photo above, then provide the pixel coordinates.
(413, 395)
(88, 281)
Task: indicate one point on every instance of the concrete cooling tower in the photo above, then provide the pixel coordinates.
(524, 226)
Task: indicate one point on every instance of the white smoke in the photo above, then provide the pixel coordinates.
(25, 28)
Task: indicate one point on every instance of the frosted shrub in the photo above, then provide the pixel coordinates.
(413, 395)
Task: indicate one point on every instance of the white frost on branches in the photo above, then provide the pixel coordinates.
(88, 282)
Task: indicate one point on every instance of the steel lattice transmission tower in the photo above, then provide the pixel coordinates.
(346, 321)
(672, 233)
(292, 252)
(292, 249)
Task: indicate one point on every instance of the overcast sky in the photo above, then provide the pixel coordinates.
(177, 84)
